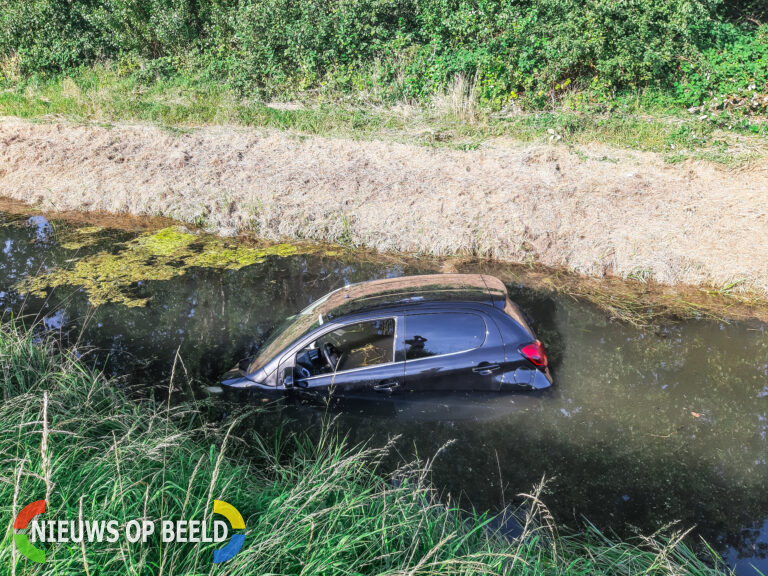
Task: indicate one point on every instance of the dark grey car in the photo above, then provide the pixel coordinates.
(441, 332)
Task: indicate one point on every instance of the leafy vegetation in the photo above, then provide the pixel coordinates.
(529, 53)
(73, 438)
(688, 78)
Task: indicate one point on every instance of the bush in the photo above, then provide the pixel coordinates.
(510, 46)
(48, 34)
(731, 75)
(543, 46)
(411, 49)
(280, 39)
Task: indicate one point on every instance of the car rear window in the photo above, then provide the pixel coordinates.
(513, 311)
(437, 334)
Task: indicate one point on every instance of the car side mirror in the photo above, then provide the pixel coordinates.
(285, 372)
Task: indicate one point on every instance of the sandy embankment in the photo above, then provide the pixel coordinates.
(598, 212)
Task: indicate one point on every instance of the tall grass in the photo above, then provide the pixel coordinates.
(70, 436)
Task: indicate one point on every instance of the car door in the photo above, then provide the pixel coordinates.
(452, 350)
(366, 355)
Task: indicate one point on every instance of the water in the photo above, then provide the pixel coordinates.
(643, 427)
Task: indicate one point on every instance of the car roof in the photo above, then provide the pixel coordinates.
(390, 294)
(410, 290)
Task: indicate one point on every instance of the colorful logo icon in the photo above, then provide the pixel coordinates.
(23, 544)
(31, 552)
(236, 542)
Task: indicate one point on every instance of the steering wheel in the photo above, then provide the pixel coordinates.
(303, 372)
(330, 355)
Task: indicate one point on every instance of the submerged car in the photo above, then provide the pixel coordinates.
(440, 332)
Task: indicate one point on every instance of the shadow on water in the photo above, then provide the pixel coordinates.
(643, 427)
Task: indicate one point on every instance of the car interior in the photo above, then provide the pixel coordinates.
(352, 346)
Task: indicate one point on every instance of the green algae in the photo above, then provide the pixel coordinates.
(105, 277)
(165, 242)
(82, 238)
(114, 275)
(239, 257)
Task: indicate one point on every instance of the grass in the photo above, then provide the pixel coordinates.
(73, 438)
(103, 94)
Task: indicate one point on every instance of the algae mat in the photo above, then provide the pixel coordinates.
(113, 273)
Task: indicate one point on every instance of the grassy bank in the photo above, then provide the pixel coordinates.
(686, 78)
(105, 94)
(595, 212)
(71, 437)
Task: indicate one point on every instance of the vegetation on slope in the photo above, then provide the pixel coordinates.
(535, 51)
(71, 437)
(704, 62)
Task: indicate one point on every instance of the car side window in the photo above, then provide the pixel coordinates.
(357, 345)
(446, 333)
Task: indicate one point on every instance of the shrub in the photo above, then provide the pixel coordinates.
(411, 49)
(732, 73)
(47, 34)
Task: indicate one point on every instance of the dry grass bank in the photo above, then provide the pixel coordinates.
(592, 210)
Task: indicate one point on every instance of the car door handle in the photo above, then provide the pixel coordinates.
(386, 386)
(484, 369)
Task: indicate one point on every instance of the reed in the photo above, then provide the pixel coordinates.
(320, 507)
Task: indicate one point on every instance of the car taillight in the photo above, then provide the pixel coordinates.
(535, 353)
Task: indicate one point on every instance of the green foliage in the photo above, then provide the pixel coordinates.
(535, 52)
(54, 35)
(732, 74)
(534, 46)
(150, 28)
(283, 39)
(48, 34)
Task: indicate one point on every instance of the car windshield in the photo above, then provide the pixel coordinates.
(293, 328)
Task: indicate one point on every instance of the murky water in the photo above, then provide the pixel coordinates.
(643, 427)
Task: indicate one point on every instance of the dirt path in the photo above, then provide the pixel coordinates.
(598, 211)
